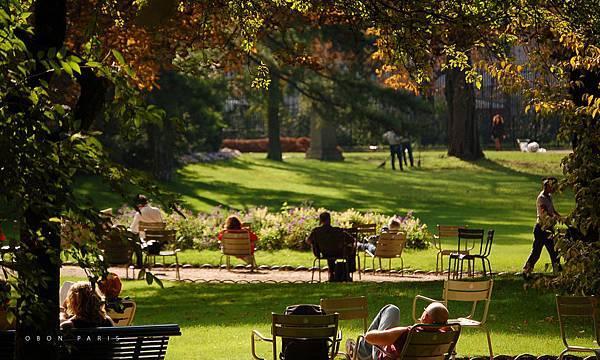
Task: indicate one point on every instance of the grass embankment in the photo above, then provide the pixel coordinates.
(498, 192)
(216, 319)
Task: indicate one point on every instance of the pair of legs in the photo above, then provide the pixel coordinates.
(396, 150)
(387, 318)
(407, 148)
(498, 143)
(541, 239)
(350, 260)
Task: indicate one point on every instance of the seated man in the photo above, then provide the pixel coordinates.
(385, 332)
(145, 213)
(332, 243)
(371, 244)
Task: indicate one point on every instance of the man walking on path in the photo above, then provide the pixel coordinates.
(547, 217)
(395, 147)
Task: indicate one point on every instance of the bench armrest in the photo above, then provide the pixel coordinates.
(414, 309)
(257, 336)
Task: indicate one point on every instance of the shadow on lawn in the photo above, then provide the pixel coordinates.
(513, 310)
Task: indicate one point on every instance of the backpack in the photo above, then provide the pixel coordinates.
(303, 349)
(340, 272)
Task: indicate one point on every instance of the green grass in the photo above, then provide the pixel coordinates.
(216, 319)
(498, 192)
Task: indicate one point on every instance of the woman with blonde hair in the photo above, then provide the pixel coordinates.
(83, 308)
(498, 133)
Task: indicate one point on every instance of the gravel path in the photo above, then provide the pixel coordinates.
(267, 276)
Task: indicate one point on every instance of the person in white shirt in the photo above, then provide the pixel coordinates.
(395, 147)
(145, 213)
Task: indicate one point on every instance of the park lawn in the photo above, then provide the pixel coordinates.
(216, 319)
(498, 192)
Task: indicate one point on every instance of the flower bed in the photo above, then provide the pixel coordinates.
(285, 229)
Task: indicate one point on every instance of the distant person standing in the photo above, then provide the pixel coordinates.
(395, 147)
(498, 133)
(406, 148)
(547, 217)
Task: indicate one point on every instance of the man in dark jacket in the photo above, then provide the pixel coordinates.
(332, 243)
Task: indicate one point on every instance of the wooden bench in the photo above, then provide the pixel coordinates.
(147, 342)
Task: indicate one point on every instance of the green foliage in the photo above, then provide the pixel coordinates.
(285, 229)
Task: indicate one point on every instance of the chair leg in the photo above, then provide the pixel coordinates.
(177, 267)
(312, 274)
(489, 340)
(562, 354)
(489, 266)
(437, 262)
(462, 261)
(358, 261)
(484, 269)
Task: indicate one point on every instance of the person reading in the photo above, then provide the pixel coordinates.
(332, 243)
(386, 333)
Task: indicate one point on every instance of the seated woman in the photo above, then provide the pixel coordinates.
(371, 244)
(110, 287)
(233, 224)
(83, 308)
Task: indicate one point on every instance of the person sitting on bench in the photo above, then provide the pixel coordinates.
(332, 243)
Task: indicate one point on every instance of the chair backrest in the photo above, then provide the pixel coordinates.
(424, 342)
(165, 237)
(64, 291)
(348, 308)
(469, 291)
(472, 236)
(305, 327)
(578, 307)
(143, 226)
(446, 231)
(125, 318)
(148, 342)
(236, 243)
(390, 245)
(487, 250)
(365, 229)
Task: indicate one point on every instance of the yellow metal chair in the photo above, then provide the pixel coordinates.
(301, 327)
(444, 232)
(348, 308)
(389, 246)
(126, 317)
(423, 342)
(465, 291)
(580, 307)
(237, 244)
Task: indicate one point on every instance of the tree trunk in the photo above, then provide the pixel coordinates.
(162, 139)
(274, 123)
(49, 22)
(463, 132)
(36, 338)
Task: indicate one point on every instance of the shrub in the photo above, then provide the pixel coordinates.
(288, 144)
(287, 228)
